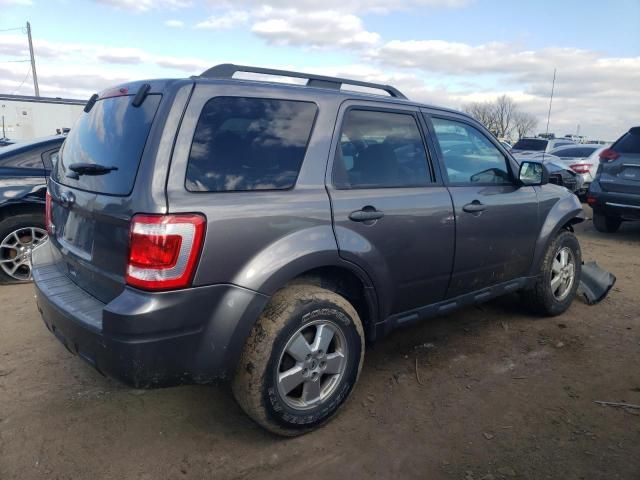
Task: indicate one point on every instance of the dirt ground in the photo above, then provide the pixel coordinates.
(501, 394)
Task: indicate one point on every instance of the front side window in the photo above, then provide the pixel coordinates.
(380, 150)
(245, 144)
(468, 155)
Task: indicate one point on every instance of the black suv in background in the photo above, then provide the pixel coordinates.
(24, 168)
(213, 227)
(614, 195)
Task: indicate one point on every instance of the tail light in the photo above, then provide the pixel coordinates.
(47, 214)
(608, 155)
(591, 200)
(580, 167)
(164, 250)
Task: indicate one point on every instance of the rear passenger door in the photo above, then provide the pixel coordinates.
(392, 214)
(496, 218)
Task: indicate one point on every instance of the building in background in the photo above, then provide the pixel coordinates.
(24, 117)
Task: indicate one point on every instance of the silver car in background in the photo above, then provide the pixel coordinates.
(582, 159)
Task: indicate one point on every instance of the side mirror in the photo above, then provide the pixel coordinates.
(533, 174)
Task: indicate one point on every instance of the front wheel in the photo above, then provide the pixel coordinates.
(559, 276)
(301, 361)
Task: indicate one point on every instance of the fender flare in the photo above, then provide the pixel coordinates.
(566, 211)
(299, 252)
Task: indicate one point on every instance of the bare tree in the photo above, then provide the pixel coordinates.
(484, 112)
(505, 110)
(502, 117)
(525, 123)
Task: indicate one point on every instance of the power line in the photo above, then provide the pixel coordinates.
(13, 29)
(25, 79)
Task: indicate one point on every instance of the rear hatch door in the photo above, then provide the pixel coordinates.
(91, 190)
(622, 174)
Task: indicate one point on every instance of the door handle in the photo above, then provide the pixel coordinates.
(474, 207)
(367, 214)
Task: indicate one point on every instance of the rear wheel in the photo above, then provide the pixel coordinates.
(18, 236)
(606, 223)
(559, 276)
(301, 361)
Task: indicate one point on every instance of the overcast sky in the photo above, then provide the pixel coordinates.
(445, 52)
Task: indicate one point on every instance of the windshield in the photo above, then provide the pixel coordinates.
(112, 134)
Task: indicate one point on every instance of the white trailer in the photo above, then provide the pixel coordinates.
(24, 117)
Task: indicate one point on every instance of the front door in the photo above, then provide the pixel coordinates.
(496, 218)
(392, 215)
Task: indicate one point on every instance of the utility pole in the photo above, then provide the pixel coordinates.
(33, 61)
(551, 100)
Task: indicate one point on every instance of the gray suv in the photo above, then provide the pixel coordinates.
(217, 228)
(614, 194)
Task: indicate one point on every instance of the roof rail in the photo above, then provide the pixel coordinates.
(227, 70)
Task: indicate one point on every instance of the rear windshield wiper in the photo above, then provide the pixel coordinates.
(89, 169)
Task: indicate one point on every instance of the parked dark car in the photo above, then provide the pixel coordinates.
(558, 173)
(24, 168)
(614, 195)
(214, 227)
(5, 142)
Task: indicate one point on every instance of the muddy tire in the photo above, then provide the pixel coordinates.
(606, 224)
(559, 277)
(301, 360)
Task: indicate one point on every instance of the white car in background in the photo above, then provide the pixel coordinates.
(536, 146)
(582, 159)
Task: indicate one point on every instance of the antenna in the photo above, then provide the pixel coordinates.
(33, 61)
(551, 101)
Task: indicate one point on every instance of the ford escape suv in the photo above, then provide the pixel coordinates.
(222, 228)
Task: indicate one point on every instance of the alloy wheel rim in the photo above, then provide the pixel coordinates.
(15, 251)
(312, 365)
(563, 271)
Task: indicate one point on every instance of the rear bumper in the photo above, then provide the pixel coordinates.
(148, 339)
(623, 205)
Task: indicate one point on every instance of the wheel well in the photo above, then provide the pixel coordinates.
(21, 209)
(345, 283)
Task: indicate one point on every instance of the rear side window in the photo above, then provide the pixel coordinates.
(629, 143)
(245, 144)
(380, 150)
(112, 134)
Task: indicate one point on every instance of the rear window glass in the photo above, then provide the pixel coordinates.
(629, 143)
(112, 134)
(249, 144)
(530, 144)
(574, 152)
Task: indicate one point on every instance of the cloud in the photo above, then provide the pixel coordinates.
(145, 5)
(380, 6)
(184, 64)
(174, 23)
(230, 19)
(314, 29)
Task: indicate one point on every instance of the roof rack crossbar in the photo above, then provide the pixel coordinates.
(227, 70)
